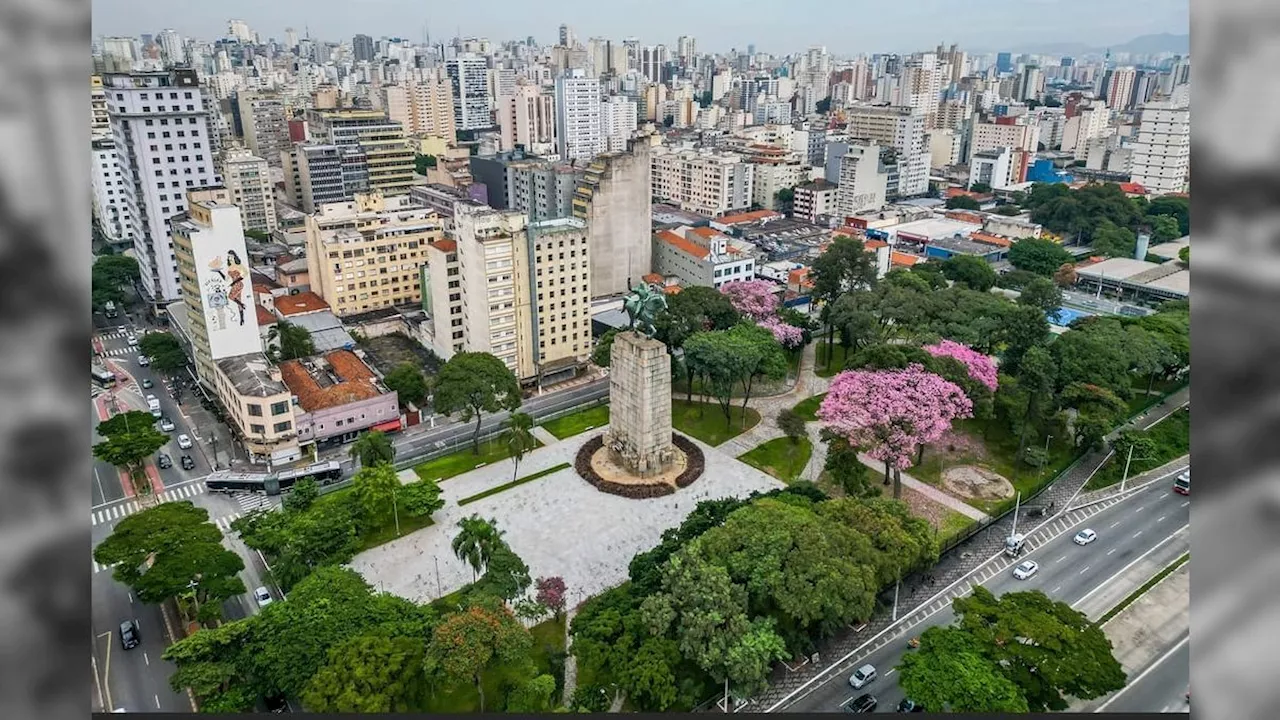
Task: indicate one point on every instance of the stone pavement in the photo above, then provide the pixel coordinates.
(544, 436)
(918, 589)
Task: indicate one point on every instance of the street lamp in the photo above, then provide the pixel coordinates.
(1125, 477)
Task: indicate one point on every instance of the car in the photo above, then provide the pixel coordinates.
(143, 360)
(862, 704)
(188, 463)
(910, 706)
(1084, 537)
(862, 676)
(184, 442)
(263, 596)
(1026, 569)
(129, 635)
(147, 384)
(163, 461)
(166, 424)
(133, 339)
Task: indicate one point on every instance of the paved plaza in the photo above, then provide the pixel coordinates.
(558, 524)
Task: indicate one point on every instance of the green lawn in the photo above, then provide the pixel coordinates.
(839, 355)
(384, 533)
(548, 639)
(706, 421)
(464, 460)
(780, 457)
(1142, 401)
(514, 483)
(952, 525)
(579, 422)
(1172, 439)
(808, 408)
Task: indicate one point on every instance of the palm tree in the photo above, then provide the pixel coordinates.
(373, 448)
(518, 438)
(286, 341)
(475, 542)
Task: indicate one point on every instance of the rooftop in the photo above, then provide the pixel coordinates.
(935, 228)
(684, 246)
(265, 317)
(330, 380)
(1117, 269)
(251, 375)
(749, 217)
(1169, 250)
(300, 304)
(296, 265)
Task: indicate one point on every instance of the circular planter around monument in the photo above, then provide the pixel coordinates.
(695, 465)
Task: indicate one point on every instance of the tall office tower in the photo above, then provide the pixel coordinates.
(208, 241)
(1120, 89)
(248, 180)
(118, 54)
(313, 175)
(567, 38)
(578, 134)
(374, 153)
(171, 44)
(1004, 62)
(239, 30)
(527, 118)
(1162, 152)
(162, 136)
(686, 49)
(290, 39)
(1030, 84)
(469, 80)
(922, 85)
(266, 127)
(653, 62)
(615, 200)
(632, 48)
(423, 107)
(618, 122)
(901, 128)
(362, 48)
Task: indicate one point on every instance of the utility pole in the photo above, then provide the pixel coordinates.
(896, 585)
(1126, 468)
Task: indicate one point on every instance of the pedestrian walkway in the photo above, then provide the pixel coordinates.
(120, 351)
(544, 436)
(928, 491)
(125, 509)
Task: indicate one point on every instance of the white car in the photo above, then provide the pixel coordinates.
(1026, 569)
(167, 425)
(263, 596)
(862, 676)
(184, 442)
(143, 360)
(133, 339)
(1085, 536)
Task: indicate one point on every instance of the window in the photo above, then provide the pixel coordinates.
(282, 426)
(254, 409)
(280, 408)
(258, 429)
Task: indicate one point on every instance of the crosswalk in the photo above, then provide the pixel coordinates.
(249, 502)
(118, 352)
(128, 508)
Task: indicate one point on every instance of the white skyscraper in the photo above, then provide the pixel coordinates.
(162, 140)
(578, 133)
(1162, 154)
(171, 44)
(469, 78)
(618, 122)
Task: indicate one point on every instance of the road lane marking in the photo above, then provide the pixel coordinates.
(1113, 524)
(1135, 535)
(1055, 590)
(1144, 507)
(1160, 519)
(1146, 672)
(1064, 557)
(1186, 503)
(1085, 570)
(157, 697)
(1111, 551)
(130, 598)
(1126, 568)
(146, 659)
(890, 671)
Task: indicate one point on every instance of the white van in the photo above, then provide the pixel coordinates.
(153, 404)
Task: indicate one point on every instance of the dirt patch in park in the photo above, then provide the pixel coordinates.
(976, 483)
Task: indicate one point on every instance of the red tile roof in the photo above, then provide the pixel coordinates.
(990, 239)
(682, 245)
(1133, 188)
(874, 244)
(748, 217)
(708, 233)
(264, 316)
(653, 279)
(671, 289)
(903, 259)
(445, 245)
(355, 382)
(300, 304)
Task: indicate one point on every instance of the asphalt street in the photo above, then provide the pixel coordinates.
(1161, 686)
(1146, 529)
(134, 680)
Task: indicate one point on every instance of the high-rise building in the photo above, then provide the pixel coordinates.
(1004, 62)
(527, 118)
(362, 48)
(686, 49)
(618, 122)
(266, 127)
(118, 54)
(290, 39)
(489, 245)
(171, 45)
(653, 63)
(365, 254)
(1161, 160)
(704, 182)
(313, 175)
(1084, 126)
(1030, 84)
(1120, 89)
(374, 151)
(161, 137)
(469, 78)
(901, 128)
(578, 133)
(863, 183)
(1021, 135)
(240, 30)
(248, 180)
(99, 121)
(109, 209)
(615, 200)
(567, 38)
(422, 107)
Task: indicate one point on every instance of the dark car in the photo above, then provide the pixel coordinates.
(909, 706)
(129, 635)
(163, 461)
(188, 463)
(276, 704)
(862, 704)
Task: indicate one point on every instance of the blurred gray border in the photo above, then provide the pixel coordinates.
(44, 328)
(1235, 579)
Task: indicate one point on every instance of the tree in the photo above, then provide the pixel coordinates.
(791, 424)
(980, 187)
(790, 337)
(1008, 210)
(756, 299)
(602, 354)
(466, 644)
(1065, 276)
(1041, 256)
(532, 696)
(784, 199)
(473, 383)
(890, 413)
(110, 274)
(475, 542)
(970, 270)
(408, 382)
(551, 594)
(130, 438)
(423, 163)
(1113, 241)
(518, 438)
(1048, 649)
(1020, 329)
(901, 542)
(843, 267)
(963, 202)
(759, 357)
(1179, 208)
(303, 494)
(421, 498)
(302, 541)
(369, 674)
(169, 549)
(982, 368)
(1184, 256)
(165, 351)
(1041, 293)
(1164, 228)
(716, 358)
(286, 341)
(506, 576)
(949, 672)
(376, 488)
(373, 447)
(844, 468)
(692, 310)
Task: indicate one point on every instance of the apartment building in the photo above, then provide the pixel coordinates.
(578, 132)
(161, 138)
(945, 146)
(559, 315)
(248, 179)
(700, 256)
(527, 118)
(313, 176)
(366, 253)
(1016, 133)
(541, 188)
(1161, 160)
(996, 168)
(614, 198)
(491, 244)
(618, 122)
(371, 152)
(814, 199)
(338, 397)
(266, 127)
(106, 178)
(442, 299)
(864, 182)
(469, 90)
(422, 107)
(705, 182)
(1092, 122)
(901, 128)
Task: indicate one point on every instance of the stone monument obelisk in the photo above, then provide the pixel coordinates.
(639, 436)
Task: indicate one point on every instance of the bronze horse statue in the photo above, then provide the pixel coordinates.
(643, 305)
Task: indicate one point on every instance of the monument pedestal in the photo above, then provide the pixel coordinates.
(639, 434)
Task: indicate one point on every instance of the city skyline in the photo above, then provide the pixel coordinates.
(988, 26)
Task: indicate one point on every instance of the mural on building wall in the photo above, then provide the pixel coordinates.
(226, 287)
(224, 292)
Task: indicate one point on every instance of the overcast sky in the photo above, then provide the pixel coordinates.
(777, 26)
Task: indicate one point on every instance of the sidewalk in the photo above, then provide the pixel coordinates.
(928, 490)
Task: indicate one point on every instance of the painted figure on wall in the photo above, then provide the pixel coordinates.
(235, 277)
(216, 295)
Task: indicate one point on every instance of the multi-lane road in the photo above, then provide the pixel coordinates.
(1146, 530)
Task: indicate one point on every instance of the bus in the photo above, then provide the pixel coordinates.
(1182, 485)
(226, 481)
(102, 377)
(324, 473)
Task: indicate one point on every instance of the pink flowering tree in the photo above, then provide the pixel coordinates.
(890, 413)
(754, 298)
(789, 336)
(981, 367)
(551, 593)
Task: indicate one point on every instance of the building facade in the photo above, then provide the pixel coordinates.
(615, 200)
(578, 130)
(423, 108)
(704, 182)
(1161, 160)
(901, 128)
(469, 90)
(863, 183)
(248, 179)
(266, 127)
(527, 119)
(814, 199)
